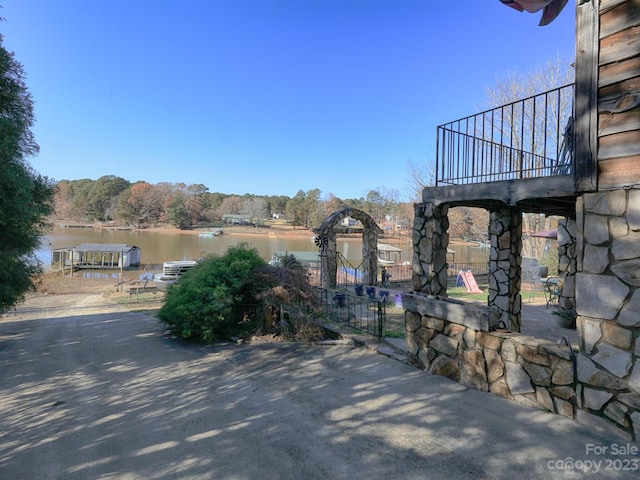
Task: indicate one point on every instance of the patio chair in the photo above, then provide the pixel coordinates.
(531, 277)
(551, 290)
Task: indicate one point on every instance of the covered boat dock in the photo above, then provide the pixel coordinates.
(96, 256)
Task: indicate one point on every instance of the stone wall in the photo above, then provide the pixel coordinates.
(531, 371)
(430, 242)
(608, 307)
(505, 272)
(567, 265)
(600, 256)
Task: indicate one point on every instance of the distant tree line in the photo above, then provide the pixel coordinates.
(114, 199)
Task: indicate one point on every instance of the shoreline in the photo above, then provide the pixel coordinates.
(276, 229)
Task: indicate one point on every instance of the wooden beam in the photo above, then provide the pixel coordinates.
(586, 98)
(481, 318)
(506, 193)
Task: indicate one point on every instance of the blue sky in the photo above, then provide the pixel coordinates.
(263, 96)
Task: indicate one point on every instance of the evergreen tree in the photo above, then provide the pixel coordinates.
(26, 197)
(178, 214)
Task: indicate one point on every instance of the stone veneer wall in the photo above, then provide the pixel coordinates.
(505, 272)
(531, 371)
(430, 241)
(567, 264)
(605, 269)
(608, 307)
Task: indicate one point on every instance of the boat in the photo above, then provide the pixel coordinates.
(163, 282)
(171, 272)
(216, 232)
(304, 257)
(383, 261)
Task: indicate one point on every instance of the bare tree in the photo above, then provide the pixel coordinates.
(514, 85)
(533, 125)
(420, 175)
(231, 205)
(256, 208)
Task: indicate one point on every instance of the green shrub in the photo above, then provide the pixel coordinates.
(217, 298)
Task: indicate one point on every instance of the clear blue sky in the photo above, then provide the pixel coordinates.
(263, 96)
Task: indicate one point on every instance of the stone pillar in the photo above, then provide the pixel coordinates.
(369, 256)
(567, 265)
(505, 231)
(430, 242)
(608, 307)
(328, 259)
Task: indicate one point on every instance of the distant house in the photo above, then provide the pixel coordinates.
(348, 222)
(236, 219)
(277, 216)
(97, 255)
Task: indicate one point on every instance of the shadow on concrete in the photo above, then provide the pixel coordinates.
(110, 395)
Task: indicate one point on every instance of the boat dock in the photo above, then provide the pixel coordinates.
(103, 256)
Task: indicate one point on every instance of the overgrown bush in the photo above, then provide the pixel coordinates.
(289, 303)
(235, 295)
(218, 298)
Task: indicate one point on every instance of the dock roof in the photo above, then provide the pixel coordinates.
(101, 247)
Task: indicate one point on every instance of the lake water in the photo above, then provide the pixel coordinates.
(157, 247)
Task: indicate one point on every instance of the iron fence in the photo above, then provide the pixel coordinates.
(397, 273)
(349, 275)
(478, 269)
(530, 138)
(365, 313)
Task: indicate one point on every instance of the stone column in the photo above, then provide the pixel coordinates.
(608, 307)
(430, 242)
(567, 264)
(369, 256)
(505, 231)
(328, 259)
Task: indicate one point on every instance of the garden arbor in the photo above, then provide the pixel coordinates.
(326, 240)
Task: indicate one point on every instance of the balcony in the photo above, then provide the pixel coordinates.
(518, 154)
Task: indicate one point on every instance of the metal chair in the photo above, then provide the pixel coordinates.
(531, 276)
(552, 290)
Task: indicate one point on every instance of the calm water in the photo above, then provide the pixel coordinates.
(156, 247)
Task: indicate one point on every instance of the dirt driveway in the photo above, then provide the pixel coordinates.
(91, 390)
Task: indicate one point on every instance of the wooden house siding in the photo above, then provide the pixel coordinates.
(618, 93)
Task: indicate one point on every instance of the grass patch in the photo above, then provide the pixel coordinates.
(148, 303)
(461, 293)
(393, 334)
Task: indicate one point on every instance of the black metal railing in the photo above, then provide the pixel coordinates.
(347, 274)
(477, 268)
(396, 273)
(530, 138)
(366, 313)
